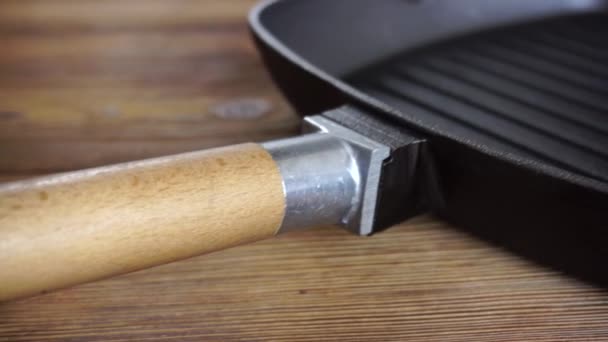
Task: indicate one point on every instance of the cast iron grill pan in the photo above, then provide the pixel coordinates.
(512, 97)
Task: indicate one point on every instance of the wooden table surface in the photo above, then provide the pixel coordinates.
(88, 82)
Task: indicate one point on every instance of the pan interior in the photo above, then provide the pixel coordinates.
(537, 90)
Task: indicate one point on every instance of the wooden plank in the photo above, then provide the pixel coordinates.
(418, 281)
(149, 79)
(85, 83)
(43, 17)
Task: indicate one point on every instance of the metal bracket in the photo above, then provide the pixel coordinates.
(368, 155)
(348, 168)
(331, 175)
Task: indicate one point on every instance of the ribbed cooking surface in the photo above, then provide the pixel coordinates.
(539, 90)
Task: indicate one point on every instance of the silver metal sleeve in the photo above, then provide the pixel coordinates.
(330, 177)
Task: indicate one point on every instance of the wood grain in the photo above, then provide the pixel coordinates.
(71, 228)
(98, 83)
(420, 281)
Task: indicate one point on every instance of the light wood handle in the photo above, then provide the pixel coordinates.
(77, 227)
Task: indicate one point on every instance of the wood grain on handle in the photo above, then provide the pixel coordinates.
(77, 227)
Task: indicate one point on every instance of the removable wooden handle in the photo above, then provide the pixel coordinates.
(81, 226)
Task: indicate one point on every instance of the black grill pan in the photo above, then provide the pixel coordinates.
(512, 97)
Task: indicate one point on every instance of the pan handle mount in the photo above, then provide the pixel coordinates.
(76, 227)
